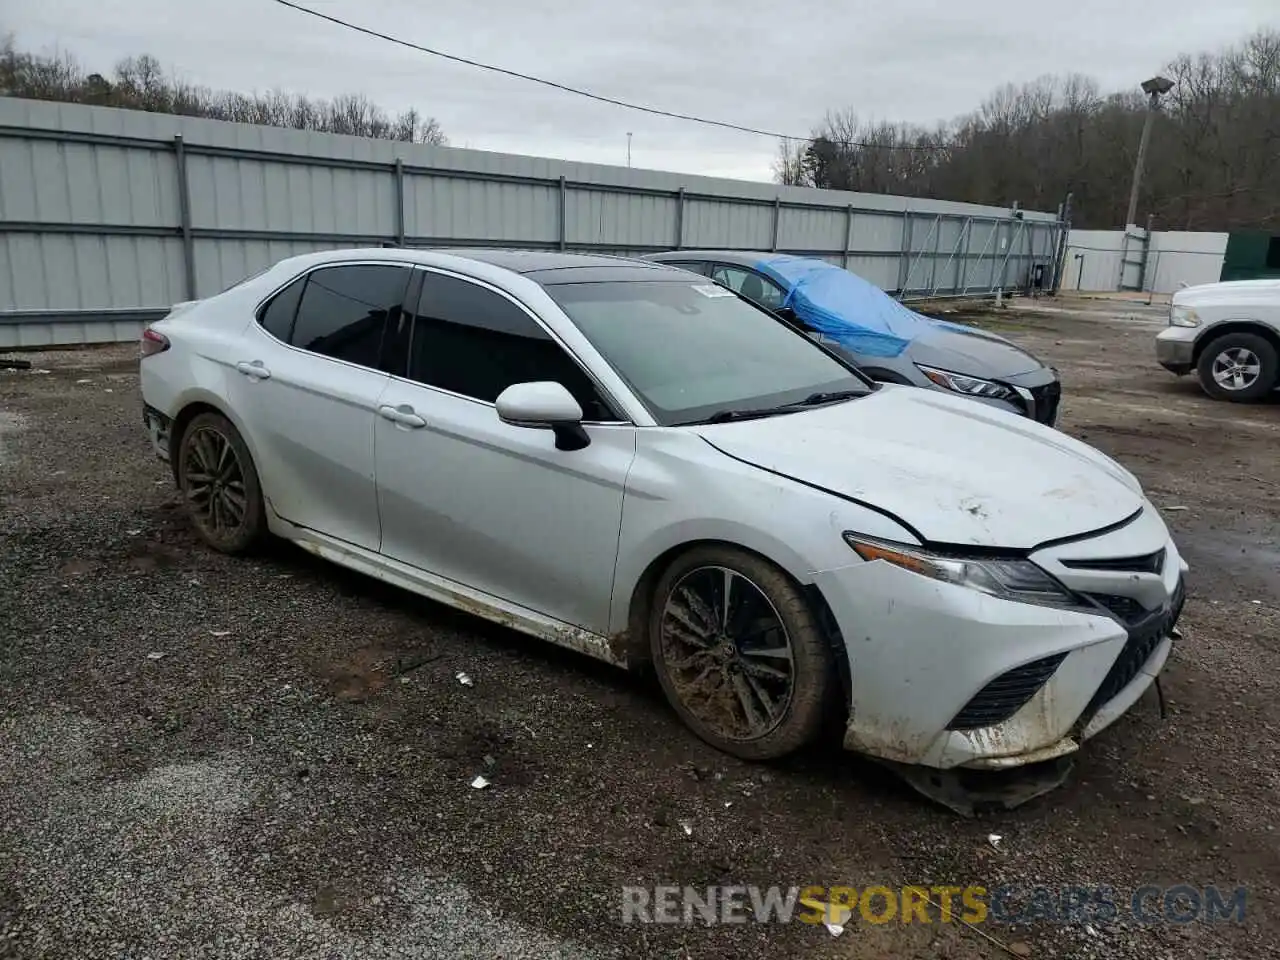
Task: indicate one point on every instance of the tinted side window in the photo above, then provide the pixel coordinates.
(475, 342)
(277, 316)
(751, 285)
(344, 311)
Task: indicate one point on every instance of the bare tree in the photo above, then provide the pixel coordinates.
(788, 165)
(141, 83)
(1214, 152)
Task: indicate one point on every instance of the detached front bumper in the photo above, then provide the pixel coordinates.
(158, 429)
(946, 677)
(1175, 349)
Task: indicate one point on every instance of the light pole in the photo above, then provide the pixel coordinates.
(628, 149)
(1153, 88)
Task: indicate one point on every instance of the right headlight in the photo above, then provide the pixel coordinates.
(1018, 580)
(1180, 316)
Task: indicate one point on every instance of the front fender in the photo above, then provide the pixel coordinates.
(686, 492)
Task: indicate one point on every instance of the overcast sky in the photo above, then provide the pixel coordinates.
(777, 65)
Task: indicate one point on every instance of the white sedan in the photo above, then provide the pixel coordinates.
(619, 457)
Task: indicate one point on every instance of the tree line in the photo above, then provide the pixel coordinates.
(1213, 162)
(141, 83)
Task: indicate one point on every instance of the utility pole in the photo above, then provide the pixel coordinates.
(628, 149)
(1153, 88)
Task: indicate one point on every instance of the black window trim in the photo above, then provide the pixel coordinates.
(1272, 257)
(305, 276)
(605, 394)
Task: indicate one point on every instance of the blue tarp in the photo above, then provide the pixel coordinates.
(856, 314)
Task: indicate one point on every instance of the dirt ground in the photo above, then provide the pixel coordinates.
(206, 757)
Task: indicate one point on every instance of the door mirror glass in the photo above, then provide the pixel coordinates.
(544, 404)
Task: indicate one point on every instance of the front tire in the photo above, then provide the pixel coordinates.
(739, 653)
(220, 485)
(1240, 367)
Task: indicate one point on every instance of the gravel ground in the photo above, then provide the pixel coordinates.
(206, 757)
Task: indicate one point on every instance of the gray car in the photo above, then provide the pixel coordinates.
(885, 339)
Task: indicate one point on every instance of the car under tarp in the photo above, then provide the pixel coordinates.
(841, 305)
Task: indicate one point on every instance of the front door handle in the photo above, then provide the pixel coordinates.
(402, 415)
(254, 370)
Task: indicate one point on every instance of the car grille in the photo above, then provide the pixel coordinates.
(1046, 400)
(1147, 563)
(1005, 695)
(1144, 636)
(1128, 610)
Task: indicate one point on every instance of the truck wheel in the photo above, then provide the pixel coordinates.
(739, 653)
(1241, 367)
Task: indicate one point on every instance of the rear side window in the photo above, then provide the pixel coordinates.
(344, 311)
(751, 285)
(470, 340)
(277, 316)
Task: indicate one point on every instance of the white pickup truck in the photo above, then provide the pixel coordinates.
(1229, 333)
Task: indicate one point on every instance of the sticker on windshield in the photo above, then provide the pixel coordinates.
(712, 290)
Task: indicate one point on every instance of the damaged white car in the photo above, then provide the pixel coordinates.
(616, 456)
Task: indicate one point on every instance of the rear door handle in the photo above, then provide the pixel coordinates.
(402, 415)
(255, 370)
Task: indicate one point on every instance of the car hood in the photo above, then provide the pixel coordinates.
(1229, 292)
(955, 471)
(977, 353)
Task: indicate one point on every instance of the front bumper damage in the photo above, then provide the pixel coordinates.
(952, 687)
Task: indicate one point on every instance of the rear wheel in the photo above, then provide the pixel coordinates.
(739, 653)
(1242, 367)
(220, 485)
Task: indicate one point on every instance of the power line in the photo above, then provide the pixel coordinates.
(724, 124)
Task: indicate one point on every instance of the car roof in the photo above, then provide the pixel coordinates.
(746, 258)
(544, 267)
(551, 267)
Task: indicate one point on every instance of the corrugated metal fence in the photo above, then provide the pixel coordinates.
(109, 216)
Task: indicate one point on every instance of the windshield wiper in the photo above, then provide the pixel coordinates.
(813, 400)
(830, 396)
(725, 416)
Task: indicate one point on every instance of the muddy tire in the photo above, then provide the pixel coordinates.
(220, 485)
(1240, 367)
(752, 676)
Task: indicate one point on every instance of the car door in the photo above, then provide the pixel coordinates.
(493, 506)
(307, 392)
(755, 287)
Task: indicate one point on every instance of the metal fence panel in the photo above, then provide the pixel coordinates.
(815, 230)
(107, 217)
(221, 263)
(633, 223)
(85, 273)
(446, 210)
(725, 223)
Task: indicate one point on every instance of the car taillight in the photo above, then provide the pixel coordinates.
(152, 343)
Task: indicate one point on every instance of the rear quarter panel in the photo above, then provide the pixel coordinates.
(204, 339)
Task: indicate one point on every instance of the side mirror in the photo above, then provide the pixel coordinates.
(546, 405)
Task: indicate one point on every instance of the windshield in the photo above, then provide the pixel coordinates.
(691, 351)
